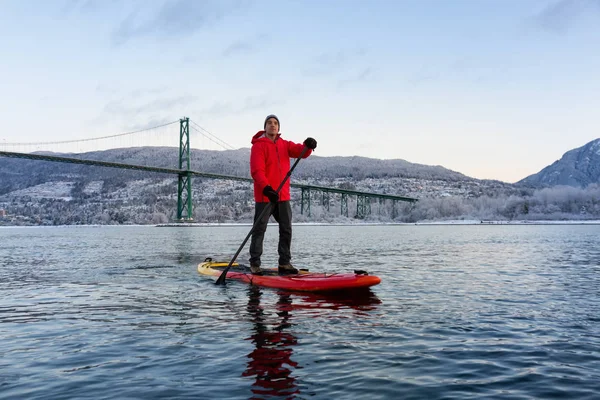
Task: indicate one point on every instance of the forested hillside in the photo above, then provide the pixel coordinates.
(46, 193)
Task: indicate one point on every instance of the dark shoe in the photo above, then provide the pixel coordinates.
(255, 269)
(287, 269)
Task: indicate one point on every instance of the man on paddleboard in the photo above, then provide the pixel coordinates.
(269, 163)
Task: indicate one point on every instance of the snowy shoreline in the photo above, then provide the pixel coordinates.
(453, 222)
(234, 224)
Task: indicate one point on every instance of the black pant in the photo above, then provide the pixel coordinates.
(282, 212)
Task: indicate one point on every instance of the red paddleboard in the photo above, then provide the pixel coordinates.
(303, 281)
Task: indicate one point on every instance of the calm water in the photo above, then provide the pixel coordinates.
(463, 312)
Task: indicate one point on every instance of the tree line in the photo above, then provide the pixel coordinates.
(155, 202)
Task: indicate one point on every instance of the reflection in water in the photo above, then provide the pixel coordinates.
(271, 360)
(358, 300)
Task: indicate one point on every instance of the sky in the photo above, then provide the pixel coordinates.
(494, 89)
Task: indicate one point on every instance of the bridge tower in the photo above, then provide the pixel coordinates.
(344, 204)
(305, 198)
(184, 184)
(363, 206)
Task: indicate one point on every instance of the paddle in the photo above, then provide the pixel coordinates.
(223, 276)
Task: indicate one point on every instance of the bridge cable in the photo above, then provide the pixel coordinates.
(90, 139)
(223, 143)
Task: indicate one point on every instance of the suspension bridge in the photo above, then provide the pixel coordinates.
(74, 151)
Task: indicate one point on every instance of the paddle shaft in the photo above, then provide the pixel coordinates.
(267, 209)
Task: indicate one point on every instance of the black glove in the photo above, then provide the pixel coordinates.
(271, 194)
(310, 143)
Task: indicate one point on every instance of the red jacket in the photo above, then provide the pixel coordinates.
(270, 162)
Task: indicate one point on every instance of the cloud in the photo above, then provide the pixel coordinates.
(238, 47)
(423, 76)
(250, 103)
(90, 6)
(113, 89)
(144, 108)
(465, 69)
(246, 45)
(138, 93)
(330, 63)
(363, 75)
(156, 106)
(148, 124)
(560, 16)
(174, 19)
(107, 88)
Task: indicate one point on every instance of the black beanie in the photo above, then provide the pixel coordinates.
(271, 116)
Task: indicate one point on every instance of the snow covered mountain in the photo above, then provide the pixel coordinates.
(578, 167)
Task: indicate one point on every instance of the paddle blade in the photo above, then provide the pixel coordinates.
(222, 277)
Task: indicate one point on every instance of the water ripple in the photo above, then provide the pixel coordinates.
(462, 312)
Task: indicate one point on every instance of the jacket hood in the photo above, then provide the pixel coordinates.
(262, 135)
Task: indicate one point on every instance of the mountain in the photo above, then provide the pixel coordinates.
(35, 192)
(50, 193)
(16, 174)
(578, 167)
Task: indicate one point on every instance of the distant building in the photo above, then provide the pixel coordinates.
(2, 213)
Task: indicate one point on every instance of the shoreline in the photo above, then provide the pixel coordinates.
(247, 224)
(426, 223)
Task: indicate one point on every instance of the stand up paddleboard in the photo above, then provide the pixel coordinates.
(303, 281)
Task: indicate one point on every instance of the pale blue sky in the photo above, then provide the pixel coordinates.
(494, 89)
